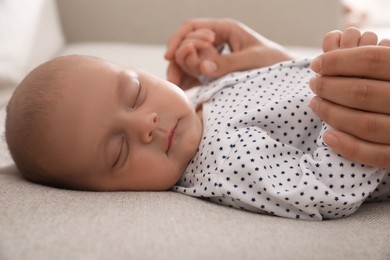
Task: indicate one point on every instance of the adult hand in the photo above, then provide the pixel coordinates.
(353, 96)
(248, 49)
(193, 50)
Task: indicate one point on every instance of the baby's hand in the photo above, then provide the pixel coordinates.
(196, 47)
(349, 38)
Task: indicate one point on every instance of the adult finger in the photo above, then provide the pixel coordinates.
(366, 61)
(358, 150)
(364, 94)
(174, 73)
(250, 58)
(223, 64)
(367, 126)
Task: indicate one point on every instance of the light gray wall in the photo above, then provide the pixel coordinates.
(292, 22)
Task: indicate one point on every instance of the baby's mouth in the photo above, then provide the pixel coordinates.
(171, 136)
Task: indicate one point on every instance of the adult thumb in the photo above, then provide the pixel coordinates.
(216, 67)
(225, 63)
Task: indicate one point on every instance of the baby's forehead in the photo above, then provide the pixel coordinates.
(84, 68)
(78, 63)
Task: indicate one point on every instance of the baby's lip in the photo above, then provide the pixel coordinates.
(171, 136)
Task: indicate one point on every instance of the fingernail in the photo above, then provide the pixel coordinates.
(331, 139)
(316, 64)
(312, 85)
(209, 66)
(315, 104)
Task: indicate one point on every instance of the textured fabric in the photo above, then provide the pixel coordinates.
(38, 222)
(262, 150)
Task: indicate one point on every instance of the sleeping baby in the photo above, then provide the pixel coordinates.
(246, 140)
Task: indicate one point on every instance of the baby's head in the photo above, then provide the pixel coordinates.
(80, 122)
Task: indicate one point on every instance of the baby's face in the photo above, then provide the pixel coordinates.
(120, 129)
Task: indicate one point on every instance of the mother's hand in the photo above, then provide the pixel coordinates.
(249, 49)
(353, 96)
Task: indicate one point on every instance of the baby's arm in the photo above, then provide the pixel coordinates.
(195, 48)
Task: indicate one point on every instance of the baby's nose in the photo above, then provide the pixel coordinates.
(148, 127)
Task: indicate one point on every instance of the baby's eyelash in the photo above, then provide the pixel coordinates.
(138, 95)
(120, 152)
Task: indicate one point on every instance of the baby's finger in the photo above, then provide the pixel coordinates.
(177, 38)
(350, 38)
(331, 41)
(174, 73)
(189, 46)
(364, 94)
(357, 150)
(220, 26)
(183, 51)
(203, 34)
(368, 38)
(194, 48)
(367, 126)
(186, 57)
(385, 42)
(192, 64)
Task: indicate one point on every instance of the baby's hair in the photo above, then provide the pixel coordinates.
(28, 114)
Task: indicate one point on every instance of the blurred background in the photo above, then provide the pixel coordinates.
(135, 32)
(368, 15)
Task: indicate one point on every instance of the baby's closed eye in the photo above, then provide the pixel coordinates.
(122, 152)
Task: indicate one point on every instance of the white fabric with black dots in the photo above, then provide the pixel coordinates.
(262, 150)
